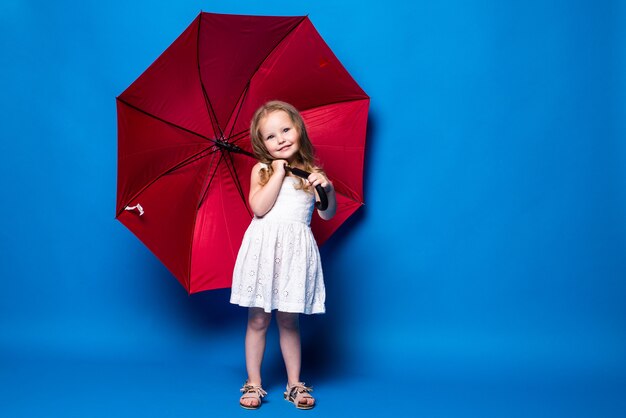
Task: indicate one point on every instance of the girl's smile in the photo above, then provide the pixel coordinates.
(280, 135)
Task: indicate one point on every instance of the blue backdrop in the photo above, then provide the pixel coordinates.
(485, 276)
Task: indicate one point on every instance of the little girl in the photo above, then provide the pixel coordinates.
(278, 266)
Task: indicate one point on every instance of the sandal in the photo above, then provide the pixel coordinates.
(251, 392)
(298, 393)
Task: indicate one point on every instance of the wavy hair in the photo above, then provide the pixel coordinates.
(304, 158)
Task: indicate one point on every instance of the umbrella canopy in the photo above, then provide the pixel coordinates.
(182, 190)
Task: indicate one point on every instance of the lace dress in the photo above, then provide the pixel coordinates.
(278, 265)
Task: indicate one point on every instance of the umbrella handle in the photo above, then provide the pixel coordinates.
(323, 202)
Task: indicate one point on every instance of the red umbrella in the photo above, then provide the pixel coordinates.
(182, 187)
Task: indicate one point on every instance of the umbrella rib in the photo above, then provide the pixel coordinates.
(195, 218)
(189, 160)
(214, 122)
(163, 120)
(233, 174)
(239, 136)
(206, 189)
(226, 222)
(242, 98)
(349, 197)
(222, 200)
(247, 86)
(212, 116)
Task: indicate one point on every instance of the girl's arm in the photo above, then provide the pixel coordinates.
(262, 198)
(319, 178)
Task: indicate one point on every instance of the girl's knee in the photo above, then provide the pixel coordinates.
(258, 319)
(287, 320)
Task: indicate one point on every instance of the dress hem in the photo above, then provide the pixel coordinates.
(282, 308)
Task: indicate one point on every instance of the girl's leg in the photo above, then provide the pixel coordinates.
(289, 329)
(258, 322)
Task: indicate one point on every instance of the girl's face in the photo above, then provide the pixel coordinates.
(280, 135)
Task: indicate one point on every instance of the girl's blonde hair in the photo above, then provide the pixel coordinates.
(305, 157)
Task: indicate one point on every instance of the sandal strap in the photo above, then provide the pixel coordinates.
(252, 391)
(299, 389)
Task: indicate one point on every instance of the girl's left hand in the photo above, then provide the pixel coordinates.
(318, 178)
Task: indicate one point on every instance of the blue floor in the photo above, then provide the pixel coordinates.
(194, 367)
(202, 386)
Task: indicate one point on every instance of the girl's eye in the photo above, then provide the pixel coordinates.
(269, 137)
(286, 130)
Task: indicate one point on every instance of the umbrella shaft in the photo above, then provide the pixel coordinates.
(229, 146)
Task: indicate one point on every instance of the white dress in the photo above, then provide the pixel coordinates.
(278, 265)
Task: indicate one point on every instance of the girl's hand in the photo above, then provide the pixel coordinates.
(318, 178)
(279, 167)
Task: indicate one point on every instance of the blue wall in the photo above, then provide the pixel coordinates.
(485, 274)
